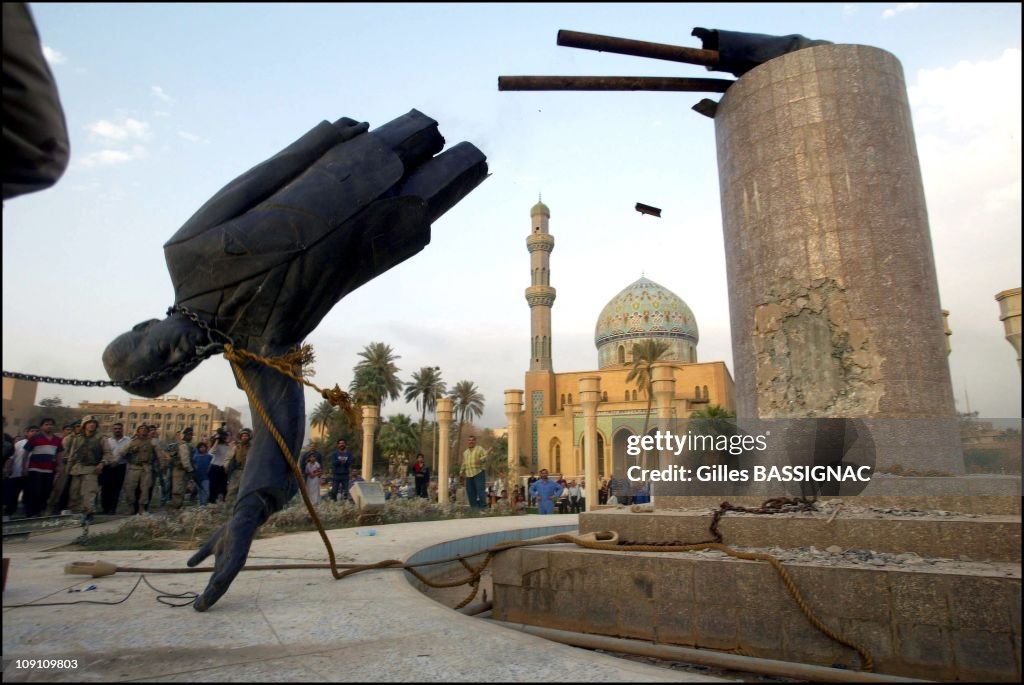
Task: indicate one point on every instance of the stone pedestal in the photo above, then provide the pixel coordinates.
(444, 424)
(833, 296)
(513, 414)
(590, 395)
(371, 416)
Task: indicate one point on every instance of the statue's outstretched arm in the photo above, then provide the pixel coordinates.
(267, 257)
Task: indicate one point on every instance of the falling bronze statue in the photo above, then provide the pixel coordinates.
(267, 257)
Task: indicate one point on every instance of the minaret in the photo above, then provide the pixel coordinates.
(540, 294)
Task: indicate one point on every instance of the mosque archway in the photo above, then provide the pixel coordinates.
(621, 461)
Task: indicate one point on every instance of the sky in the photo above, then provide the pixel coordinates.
(167, 103)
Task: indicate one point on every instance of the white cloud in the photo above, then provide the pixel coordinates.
(161, 113)
(124, 130)
(110, 156)
(967, 121)
(850, 10)
(53, 56)
(902, 7)
(159, 93)
(191, 137)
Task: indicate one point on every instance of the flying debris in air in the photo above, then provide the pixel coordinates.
(647, 209)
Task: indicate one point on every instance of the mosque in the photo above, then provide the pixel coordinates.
(552, 427)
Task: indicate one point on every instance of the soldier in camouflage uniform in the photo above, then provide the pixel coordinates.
(141, 456)
(89, 453)
(236, 464)
(181, 469)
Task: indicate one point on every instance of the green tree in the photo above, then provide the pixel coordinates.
(367, 387)
(322, 416)
(399, 437)
(713, 420)
(376, 376)
(645, 354)
(424, 389)
(468, 404)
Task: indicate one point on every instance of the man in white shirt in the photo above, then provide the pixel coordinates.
(112, 478)
(220, 450)
(575, 493)
(14, 473)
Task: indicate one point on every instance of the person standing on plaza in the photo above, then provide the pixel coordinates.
(420, 473)
(113, 476)
(575, 497)
(529, 487)
(167, 455)
(220, 450)
(472, 470)
(312, 472)
(236, 465)
(14, 472)
(311, 449)
(341, 464)
(43, 451)
(140, 459)
(89, 454)
(546, 491)
(202, 462)
(58, 498)
(181, 469)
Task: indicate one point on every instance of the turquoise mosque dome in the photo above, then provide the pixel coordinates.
(645, 310)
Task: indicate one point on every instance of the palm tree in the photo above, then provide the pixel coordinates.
(322, 416)
(645, 354)
(469, 404)
(367, 388)
(376, 375)
(424, 389)
(398, 437)
(714, 420)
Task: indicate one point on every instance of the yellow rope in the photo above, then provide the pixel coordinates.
(291, 365)
(867, 663)
(285, 452)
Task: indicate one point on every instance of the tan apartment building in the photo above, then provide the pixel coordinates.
(19, 404)
(169, 414)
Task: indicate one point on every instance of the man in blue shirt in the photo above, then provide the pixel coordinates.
(341, 461)
(546, 491)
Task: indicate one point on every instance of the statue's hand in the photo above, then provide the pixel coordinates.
(230, 545)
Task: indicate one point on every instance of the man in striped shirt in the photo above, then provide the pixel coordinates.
(42, 449)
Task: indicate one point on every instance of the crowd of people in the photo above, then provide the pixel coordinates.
(85, 472)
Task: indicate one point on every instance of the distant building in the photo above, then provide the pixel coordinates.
(19, 404)
(552, 427)
(169, 414)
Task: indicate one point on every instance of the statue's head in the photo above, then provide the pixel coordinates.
(149, 347)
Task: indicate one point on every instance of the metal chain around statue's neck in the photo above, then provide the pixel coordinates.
(216, 339)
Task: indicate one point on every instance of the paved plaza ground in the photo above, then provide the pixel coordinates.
(280, 625)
